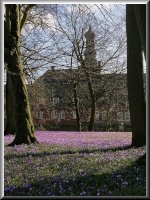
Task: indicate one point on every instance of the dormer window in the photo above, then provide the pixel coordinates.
(55, 100)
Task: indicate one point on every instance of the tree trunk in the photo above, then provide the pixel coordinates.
(93, 102)
(136, 94)
(24, 124)
(10, 108)
(77, 108)
(140, 14)
(92, 117)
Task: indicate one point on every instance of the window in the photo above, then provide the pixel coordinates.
(39, 115)
(127, 116)
(55, 101)
(97, 115)
(54, 114)
(114, 114)
(36, 115)
(89, 43)
(120, 116)
(73, 101)
(74, 114)
(104, 115)
(62, 114)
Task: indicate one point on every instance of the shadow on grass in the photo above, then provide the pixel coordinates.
(86, 151)
(127, 181)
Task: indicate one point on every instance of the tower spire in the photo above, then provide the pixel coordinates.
(90, 52)
(90, 32)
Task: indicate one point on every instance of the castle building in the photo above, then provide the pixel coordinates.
(53, 104)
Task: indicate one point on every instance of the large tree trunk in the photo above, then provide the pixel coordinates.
(136, 94)
(24, 124)
(140, 14)
(10, 108)
(77, 108)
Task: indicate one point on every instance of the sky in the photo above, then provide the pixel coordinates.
(113, 12)
(33, 37)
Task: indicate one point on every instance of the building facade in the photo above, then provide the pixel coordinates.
(53, 103)
(55, 109)
(52, 98)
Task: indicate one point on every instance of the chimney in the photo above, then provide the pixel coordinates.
(99, 64)
(52, 68)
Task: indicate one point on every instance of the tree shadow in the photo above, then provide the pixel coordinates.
(126, 181)
(87, 151)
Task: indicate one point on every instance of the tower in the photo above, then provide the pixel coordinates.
(90, 52)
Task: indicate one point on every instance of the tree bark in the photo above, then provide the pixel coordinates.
(135, 85)
(24, 124)
(140, 14)
(93, 102)
(77, 108)
(10, 108)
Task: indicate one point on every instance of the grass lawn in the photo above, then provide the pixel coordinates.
(74, 164)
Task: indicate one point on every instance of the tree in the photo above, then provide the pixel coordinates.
(57, 35)
(76, 98)
(24, 132)
(10, 111)
(75, 80)
(136, 43)
(73, 29)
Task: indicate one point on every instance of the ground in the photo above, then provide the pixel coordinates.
(75, 164)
